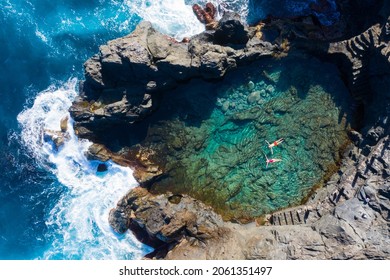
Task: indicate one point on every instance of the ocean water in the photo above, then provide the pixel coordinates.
(54, 205)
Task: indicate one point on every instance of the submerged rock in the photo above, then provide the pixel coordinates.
(254, 97)
(251, 85)
(347, 228)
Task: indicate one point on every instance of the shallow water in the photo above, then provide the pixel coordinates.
(215, 146)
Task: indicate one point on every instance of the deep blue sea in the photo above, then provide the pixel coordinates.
(53, 204)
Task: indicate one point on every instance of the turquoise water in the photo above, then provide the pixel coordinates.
(216, 150)
(53, 203)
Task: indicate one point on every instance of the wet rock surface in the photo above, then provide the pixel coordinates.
(58, 137)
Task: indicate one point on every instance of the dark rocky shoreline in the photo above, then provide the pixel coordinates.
(349, 218)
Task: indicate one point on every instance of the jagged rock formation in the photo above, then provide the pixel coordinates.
(358, 51)
(206, 15)
(347, 219)
(124, 80)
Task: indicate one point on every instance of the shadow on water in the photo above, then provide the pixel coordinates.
(330, 79)
(193, 102)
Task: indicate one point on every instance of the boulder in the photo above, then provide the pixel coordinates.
(64, 124)
(166, 218)
(102, 167)
(254, 97)
(231, 31)
(57, 137)
(98, 152)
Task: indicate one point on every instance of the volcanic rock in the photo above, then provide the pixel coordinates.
(230, 30)
(102, 167)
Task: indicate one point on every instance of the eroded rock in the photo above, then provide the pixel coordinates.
(231, 31)
(165, 220)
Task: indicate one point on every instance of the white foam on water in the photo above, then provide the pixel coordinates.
(41, 36)
(172, 17)
(78, 222)
(238, 6)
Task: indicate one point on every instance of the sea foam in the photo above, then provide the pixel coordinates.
(172, 17)
(78, 222)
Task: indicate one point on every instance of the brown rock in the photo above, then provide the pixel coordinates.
(58, 137)
(64, 123)
(98, 152)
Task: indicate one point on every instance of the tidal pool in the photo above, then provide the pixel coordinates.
(210, 138)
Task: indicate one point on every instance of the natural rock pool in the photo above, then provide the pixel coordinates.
(210, 138)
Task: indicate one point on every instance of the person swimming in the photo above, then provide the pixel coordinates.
(270, 160)
(274, 144)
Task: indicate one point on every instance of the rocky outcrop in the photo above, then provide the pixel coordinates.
(206, 15)
(349, 219)
(230, 30)
(358, 51)
(123, 82)
(145, 170)
(363, 59)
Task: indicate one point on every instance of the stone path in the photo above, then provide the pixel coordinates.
(358, 50)
(352, 182)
